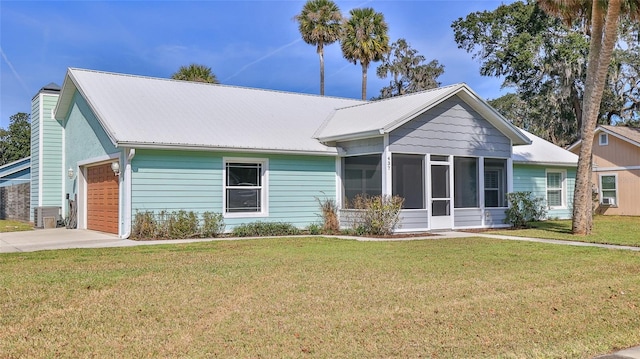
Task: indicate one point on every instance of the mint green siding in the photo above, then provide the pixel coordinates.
(46, 153)
(51, 156)
(85, 139)
(35, 155)
(533, 178)
(164, 180)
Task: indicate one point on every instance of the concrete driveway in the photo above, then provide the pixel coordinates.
(62, 238)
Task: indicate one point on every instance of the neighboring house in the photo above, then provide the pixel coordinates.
(14, 190)
(16, 172)
(616, 169)
(132, 143)
(548, 172)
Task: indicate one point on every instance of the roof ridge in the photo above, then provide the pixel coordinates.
(215, 84)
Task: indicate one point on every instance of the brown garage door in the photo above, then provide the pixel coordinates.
(102, 199)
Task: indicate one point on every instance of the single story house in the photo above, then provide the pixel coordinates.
(132, 143)
(616, 169)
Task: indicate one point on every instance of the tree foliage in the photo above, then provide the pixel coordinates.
(601, 19)
(195, 73)
(408, 71)
(545, 62)
(365, 39)
(320, 23)
(15, 141)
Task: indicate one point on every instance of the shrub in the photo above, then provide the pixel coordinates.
(183, 224)
(144, 225)
(378, 215)
(329, 209)
(523, 209)
(180, 224)
(260, 229)
(212, 224)
(314, 229)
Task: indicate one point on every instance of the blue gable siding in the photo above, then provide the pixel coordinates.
(533, 178)
(164, 180)
(85, 139)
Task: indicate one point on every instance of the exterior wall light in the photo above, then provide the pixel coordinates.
(70, 173)
(115, 167)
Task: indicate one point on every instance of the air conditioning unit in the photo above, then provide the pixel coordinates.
(608, 201)
(40, 213)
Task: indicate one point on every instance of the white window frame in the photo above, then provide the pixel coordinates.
(615, 176)
(603, 139)
(563, 188)
(264, 188)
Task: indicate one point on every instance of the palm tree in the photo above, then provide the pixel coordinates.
(320, 23)
(195, 73)
(365, 39)
(603, 17)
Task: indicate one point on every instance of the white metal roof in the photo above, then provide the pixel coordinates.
(379, 117)
(141, 111)
(541, 151)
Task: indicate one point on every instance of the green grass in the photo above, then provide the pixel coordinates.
(14, 226)
(321, 298)
(621, 230)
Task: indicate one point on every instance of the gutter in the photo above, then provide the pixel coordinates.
(127, 194)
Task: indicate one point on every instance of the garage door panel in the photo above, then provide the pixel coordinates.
(102, 199)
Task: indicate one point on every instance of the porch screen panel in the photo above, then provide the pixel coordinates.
(495, 182)
(408, 180)
(465, 179)
(362, 176)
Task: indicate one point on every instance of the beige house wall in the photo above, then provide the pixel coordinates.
(628, 193)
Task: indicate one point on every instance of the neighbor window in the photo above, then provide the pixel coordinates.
(362, 176)
(465, 180)
(609, 189)
(603, 139)
(244, 186)
(495, 182)
(555, 189)
(408, 179)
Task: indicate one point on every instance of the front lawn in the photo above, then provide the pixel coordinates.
(622, 230)
(14, 226)
(318, 297)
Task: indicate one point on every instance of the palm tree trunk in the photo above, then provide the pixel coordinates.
(364, 80)
(321, 55)
(600, 50)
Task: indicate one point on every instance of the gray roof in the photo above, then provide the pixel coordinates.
(141, 111)
(379, 117)
(543, 152)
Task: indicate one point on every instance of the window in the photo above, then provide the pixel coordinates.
(609, 190)
(408, 180)
(244, 186)
(362, 176)
(465, 180)
(555, 189)
(603, 139)
(495, 182)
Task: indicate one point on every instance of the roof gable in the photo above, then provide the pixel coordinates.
(625, 133)
(380, 117)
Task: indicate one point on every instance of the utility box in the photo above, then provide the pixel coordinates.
(42, 213)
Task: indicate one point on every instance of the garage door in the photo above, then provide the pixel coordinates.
(102, 199)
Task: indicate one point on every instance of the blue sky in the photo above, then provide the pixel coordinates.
(246, 43)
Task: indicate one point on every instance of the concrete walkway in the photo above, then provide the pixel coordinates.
(61, 238)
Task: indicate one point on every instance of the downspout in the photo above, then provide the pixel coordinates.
(127, 194)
